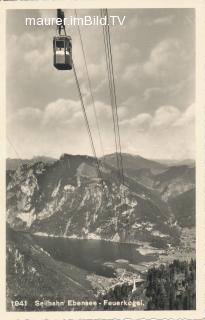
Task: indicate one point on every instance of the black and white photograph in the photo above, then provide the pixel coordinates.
(101, 149)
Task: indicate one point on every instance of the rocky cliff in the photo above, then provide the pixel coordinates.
(67, 198)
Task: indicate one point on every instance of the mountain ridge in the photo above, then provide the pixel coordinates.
(67, 197)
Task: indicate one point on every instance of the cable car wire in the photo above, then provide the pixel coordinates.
(65, 64)
(115, 100)
(91, 91)
(111, 94)
(60, 15)
(111, 80)
(109, 60)
(112, 102)
(111, 97)
(88, 126)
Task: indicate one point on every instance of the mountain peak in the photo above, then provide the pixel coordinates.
(65, 156)
(134, 162)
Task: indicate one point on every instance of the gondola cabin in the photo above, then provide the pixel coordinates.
(62, 52)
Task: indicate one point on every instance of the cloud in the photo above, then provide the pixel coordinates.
(122, 53)
(122, 112)
(27, 117)
(169, 133)
(162, 61)
(61, 112)
(187, 117)
(139, 123)
(165, 116)
(33, 50)
(134, 21)
(38, 60)
(29, 113)
(164, 57)
(150, 92)
(163, 21)
(60, 127)
(174, 89)
(150, 71)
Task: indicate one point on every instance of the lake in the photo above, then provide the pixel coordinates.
(92, 255)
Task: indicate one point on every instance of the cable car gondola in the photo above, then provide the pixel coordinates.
(62, 52)
(62, 47)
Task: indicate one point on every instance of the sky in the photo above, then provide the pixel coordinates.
(154, 67)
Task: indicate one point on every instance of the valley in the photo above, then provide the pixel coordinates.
(71, 235)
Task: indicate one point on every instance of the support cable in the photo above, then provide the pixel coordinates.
(111, 94)
(115, 103)
(88, 126)
(109, 60)
(91, 91)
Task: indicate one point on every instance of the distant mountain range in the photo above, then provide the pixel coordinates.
(186, 162)
(129, 161)
(13, 164)
(65, 197)
(132, 162)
